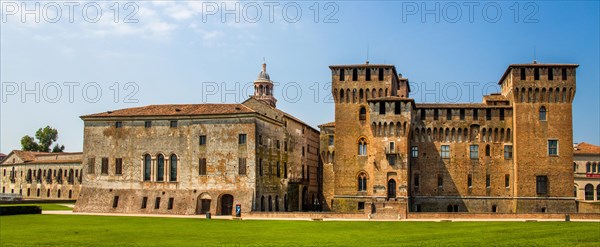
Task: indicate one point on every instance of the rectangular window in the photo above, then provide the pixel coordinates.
(368, 74)
(523, 75)
(470, 181)
(474, 151)
(104, 170)
(278, 170)
(397, 107)
(242, 139)
(550, 74)
(541, 185)
(380, 74)
(440, 181)
(260, 167)
(260, 142)
(118, 166)
(392, 147)
(115, 202)
(173, 124)
(355, 74)
(331, 140)
(552, 147)
(361, 205)
(118, 124)
(242, 166)
(202, 167)
(91, 166)
(501, 114)
(508, 152)
(445, 151)
(157, 203)
(202, 140)
(342, 75)
(423, 114)
(278, 145)
(416, 180)
(488, 181)
(536, 74)
(506, 180)
(285, 175)
(488, 114)
(448, 114)
(391, 159)
(475, 114)
(285, 146)
(147, 124)
(462, 114)
(436, 114)
(564, 74)
(170, 205)
(302, 151)
(144, 202)
(382, 108)
(414, 151)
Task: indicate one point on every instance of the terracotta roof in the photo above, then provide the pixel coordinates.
(175, 110)
(495, 97)
(586, 148)
(459, 105)
(27, 156)
(47, 158)
(535, 65)
(330, 124)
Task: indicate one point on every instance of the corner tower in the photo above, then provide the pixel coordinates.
(263, 87)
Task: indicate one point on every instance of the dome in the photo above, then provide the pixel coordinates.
(263, 75)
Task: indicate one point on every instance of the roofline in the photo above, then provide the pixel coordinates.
(90, 117)
(534, 65)
(459, 105)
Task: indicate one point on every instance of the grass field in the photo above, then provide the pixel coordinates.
(44, 206)
(76, 230)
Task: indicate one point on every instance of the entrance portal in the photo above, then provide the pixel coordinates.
(226, 204)
(391, 189)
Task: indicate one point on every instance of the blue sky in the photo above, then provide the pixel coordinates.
(177, 52)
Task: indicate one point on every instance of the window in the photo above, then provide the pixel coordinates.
(550, 74)
(260, 139)
(104, 166)
(382, 108)
(541, 185)
(416, 180)
(380, 74)
(552, 147)
(589, 192)
(423, 114)
(474, 151)
(507, 180)
(368, 74)
(147, 124)
(508, 152)
(462, 114)
(436, 114)
(115, 202)
(470, 181)
(448, 114)
(475, 114)
(170, 205)
(362, 114)
(397, 107)
(414, 151)
(147, 167)
(362, 182)
(278, 145)
(536, 74)
(342, 75)
(488, 151)
(285, 175)
(488, 181)
(202, 167)
(488, 114)
(173, 124)
(564, 74)
(440, 181)
(391, 160)
(285, 146)
(523, 75)
(260, 167)
(355, 74)
(302, 151)
(118, 124)
(501, 114)
(202, 140)
(173, 168)
(144, 202)
(160, 168)
(278, 170)
(361, 205)
(542, 113)
(242, 139)
(362, 147)
(91, 166)
(445, 151)
(118, 166)
(242, 166)
(331, 140)
(157, 203)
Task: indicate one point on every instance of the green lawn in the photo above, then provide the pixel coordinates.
(44, 206)
(76, 230)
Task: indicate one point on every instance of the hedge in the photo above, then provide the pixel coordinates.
(14, 210)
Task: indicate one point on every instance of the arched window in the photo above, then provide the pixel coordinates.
(598, 192)
(270, 204)
(575, 192)
(589, 192)
(362, 182)
(173, 168)
(594, 168)
(542, 113)
(588, 167)
(362, 147)
(147, 167)
(362, 115)
(342, 96)
(487, 150)
(262, 203)
(160, 168)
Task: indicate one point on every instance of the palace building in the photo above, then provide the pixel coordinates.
(512, 153)
(198, 158)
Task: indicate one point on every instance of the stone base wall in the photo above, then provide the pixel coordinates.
(485, 216)
(588, 207)
(491, 205)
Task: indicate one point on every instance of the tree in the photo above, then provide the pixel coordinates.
(45, 137)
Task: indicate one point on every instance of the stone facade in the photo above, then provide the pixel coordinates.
(193, 159)
(38, 175)
(506, 154)
(586, 166)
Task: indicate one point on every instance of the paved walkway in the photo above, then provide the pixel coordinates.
(220, 217)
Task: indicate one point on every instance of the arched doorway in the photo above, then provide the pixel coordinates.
(391, 189)
(203, 203)
(305, 199)
(226, 204)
